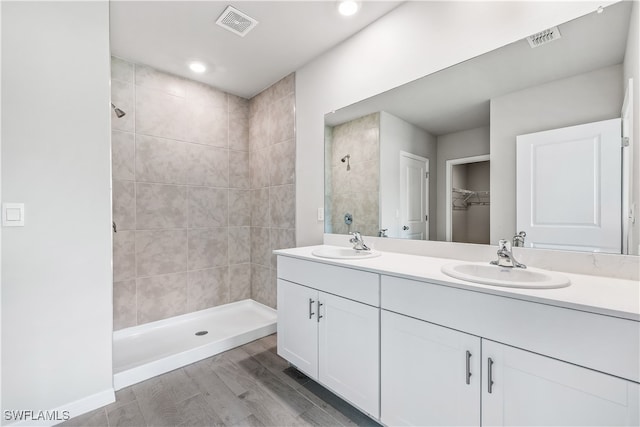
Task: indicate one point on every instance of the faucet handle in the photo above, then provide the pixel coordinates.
(504, 245)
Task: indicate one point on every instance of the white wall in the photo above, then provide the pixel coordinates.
(457, 145)
(413, 40)
(397, 135)
(632, 70)
(56, 271)
(584, 98)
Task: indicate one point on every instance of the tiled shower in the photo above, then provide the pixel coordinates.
(203, 190)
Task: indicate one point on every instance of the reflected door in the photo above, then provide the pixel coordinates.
(414, 197)
(569, 186)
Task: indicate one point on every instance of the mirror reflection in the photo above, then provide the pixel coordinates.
(437, 158)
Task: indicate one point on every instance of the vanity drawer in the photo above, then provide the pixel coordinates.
(604, 343)
(357, 285)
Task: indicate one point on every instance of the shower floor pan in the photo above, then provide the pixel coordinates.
(142, 352)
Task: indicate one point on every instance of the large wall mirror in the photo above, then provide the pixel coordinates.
(440, 158)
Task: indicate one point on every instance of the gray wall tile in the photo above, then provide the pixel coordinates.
(208, 166)
(282, 165)
(160, 114)
(124, 251)
(208, 248)
(124, 304)
(239, 175)
(262, 289)
(161, 160)
(121, 70)
(161, 297)
(282, 206)
(151, 78)
(208, 125)
(208, 288)
(260, 207)
(238, 123)
(281, 239)
(239, 207)
(239, 245)
(239, 282)
(160, 206)
(124, 206)
(282, 120)
(259, 161)
(208, 207)
(260, 246)
(161, 252)
(123, 155)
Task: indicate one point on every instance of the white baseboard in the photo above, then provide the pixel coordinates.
(66, 411)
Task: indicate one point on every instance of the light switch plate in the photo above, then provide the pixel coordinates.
(13, 214)
(320, 214)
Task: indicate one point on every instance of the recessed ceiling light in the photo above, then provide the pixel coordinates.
(197, 67)
(348, 7)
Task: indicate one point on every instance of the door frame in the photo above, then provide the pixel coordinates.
(627, 181)
(449, 164)
(426, 189)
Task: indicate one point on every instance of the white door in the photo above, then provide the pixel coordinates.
(298, 326)
(349, 351)
(414, 197)
(569, 187)
(532, 390)
(424, 374)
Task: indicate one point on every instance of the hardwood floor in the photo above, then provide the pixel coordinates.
(247, 386)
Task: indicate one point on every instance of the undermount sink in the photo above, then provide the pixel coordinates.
(343, 253)
(487, 274)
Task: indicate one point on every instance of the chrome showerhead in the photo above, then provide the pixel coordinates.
(346, 159)
(119, 112)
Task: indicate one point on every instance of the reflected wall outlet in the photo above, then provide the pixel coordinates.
(13, 214)
(320, 214)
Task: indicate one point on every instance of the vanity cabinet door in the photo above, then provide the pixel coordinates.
(430, 375)
(298, 326)
(349, 351)
(530, 389)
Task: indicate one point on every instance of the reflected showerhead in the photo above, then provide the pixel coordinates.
(119, 112)
(346, 159)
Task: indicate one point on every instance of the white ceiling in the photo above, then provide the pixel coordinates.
(167, 35)
(457, 98)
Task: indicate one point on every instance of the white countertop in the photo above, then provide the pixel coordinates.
(595, 294)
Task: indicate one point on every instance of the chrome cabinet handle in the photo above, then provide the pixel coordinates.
(490, 375)
(311, 313)
(468, 367)
(318, 308)
(113, 224)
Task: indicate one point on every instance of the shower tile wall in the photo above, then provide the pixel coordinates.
(355, 191)
(272, 159)
(181, 195)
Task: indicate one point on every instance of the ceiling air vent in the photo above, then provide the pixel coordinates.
(544, 37)
(236, 22)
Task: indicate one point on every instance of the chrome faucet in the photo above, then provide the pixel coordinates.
(358, 243)
(518, 239)
(505, 257)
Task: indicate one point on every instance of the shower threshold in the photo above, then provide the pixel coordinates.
(142, 352)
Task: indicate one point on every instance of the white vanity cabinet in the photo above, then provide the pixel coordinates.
(534, 390)
(430, 375)
(513, 386)
(329, 328)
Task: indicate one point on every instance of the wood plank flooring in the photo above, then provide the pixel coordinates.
(247, 386)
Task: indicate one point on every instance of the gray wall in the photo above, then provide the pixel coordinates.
(467, 143)
(181, 198)
(478, 214)
(56, 270)
(397, 135)
(584, 98)
(272, 147)
(356, 191)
